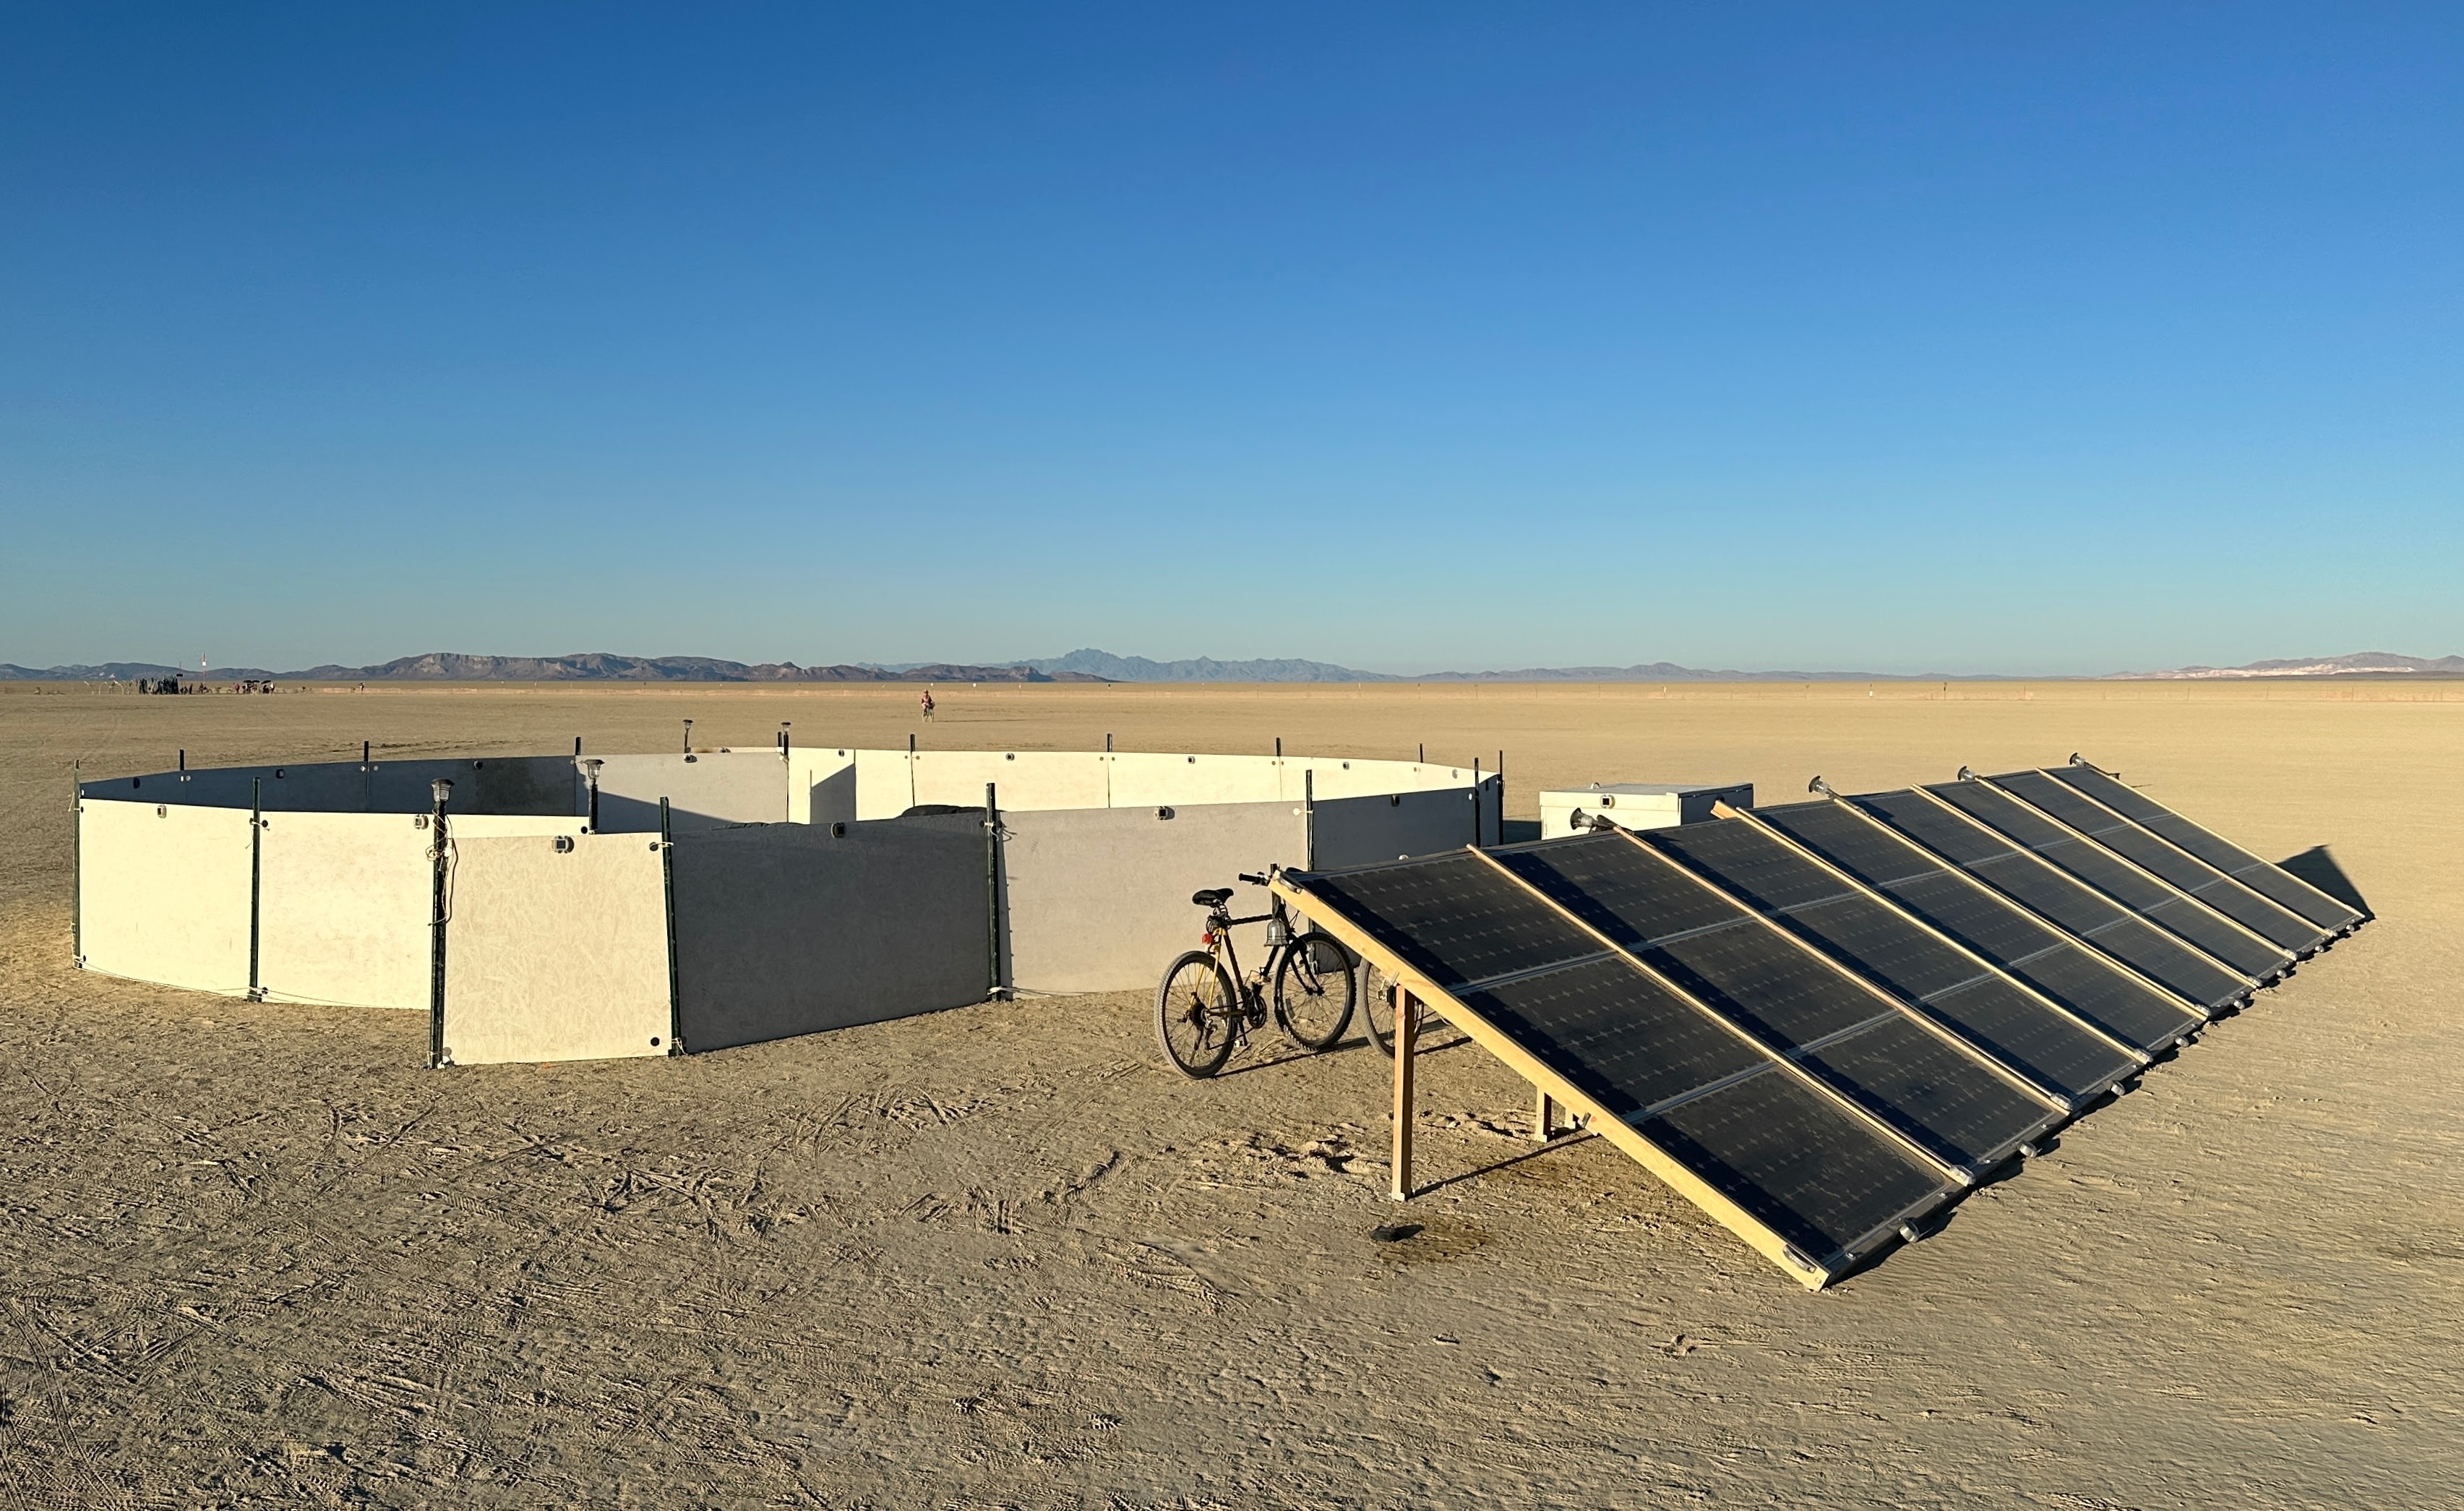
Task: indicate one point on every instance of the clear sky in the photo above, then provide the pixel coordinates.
(2031, 338)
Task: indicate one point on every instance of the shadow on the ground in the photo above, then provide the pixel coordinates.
(1564, 1141)
(2316, 866)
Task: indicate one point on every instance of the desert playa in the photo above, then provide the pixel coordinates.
(1003, 1257)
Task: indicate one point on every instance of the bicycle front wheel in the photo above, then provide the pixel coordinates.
(1314, 986)
(1198, 1009)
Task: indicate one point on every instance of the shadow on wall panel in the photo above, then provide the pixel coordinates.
(710, 790)
(1366, 831)
(786, 929)
(491, 785)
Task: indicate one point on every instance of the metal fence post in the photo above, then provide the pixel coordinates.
(442, 789)
(992, 891)
(1308, 819)
(255, 878)
(668, 900)
(77, 864)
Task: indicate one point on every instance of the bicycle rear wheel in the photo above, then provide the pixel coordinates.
(1377, 1008)
(1314, 986)
(1198, 1009)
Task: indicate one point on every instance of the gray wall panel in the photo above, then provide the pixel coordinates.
(789, 929)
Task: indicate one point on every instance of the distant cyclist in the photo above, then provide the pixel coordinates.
(928, 705)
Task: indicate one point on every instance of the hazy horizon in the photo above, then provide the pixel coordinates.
(1908, 339)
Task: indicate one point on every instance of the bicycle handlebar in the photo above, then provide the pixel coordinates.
(1255, 881)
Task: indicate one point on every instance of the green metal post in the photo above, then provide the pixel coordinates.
(668, 881)
(441, 788)
(992, 890)
(77, 867)
(255, 877)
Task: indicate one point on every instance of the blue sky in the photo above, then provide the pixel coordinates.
(2025, 339)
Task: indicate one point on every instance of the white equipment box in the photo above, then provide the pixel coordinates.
(1636, 805)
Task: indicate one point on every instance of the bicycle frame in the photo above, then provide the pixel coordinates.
(1219, 924)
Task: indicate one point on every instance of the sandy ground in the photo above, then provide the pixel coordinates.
(999, 1257)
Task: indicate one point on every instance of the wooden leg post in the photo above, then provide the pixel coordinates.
(1544, 1116)
(1407, 1033)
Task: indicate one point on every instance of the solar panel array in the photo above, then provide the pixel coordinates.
(1822, 1021)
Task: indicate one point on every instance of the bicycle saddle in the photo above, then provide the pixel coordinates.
(1212, 897)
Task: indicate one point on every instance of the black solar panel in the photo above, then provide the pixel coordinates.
(1933, 1093)
(2146, 849)
(2269, 881)
(2100, 869)
(1750, 864)
(1784, 996)
(1621, 1038)
(1453, 919)
(2058, 898)
(1810, 1020)
(1600, 879)
(1721, 1106)
(1795, 1163)
(1878, 941)
(2018, 942)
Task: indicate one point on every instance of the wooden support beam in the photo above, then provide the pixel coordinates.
(1407, 1033)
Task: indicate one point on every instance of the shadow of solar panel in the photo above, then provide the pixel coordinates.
(2144, 848)
(1796, 1163)
(2105, 871)
(1615, 1035)
(1602, 880)
(2268, 879)
(2058, 898)
(2016, 941)
(1869, 936)
(1453, 919)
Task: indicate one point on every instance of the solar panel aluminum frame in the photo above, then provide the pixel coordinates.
(2250, 984)
(2212, 910)
(1806, 1270)
(2338, 905)
(2323, 935)
(2059, 1106)
(2140, 1057)
(2095, 952)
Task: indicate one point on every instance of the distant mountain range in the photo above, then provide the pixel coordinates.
(596, 666)
(2361, 664)
(1103, 666)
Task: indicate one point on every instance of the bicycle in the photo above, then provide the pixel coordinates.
(1205, 1007)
